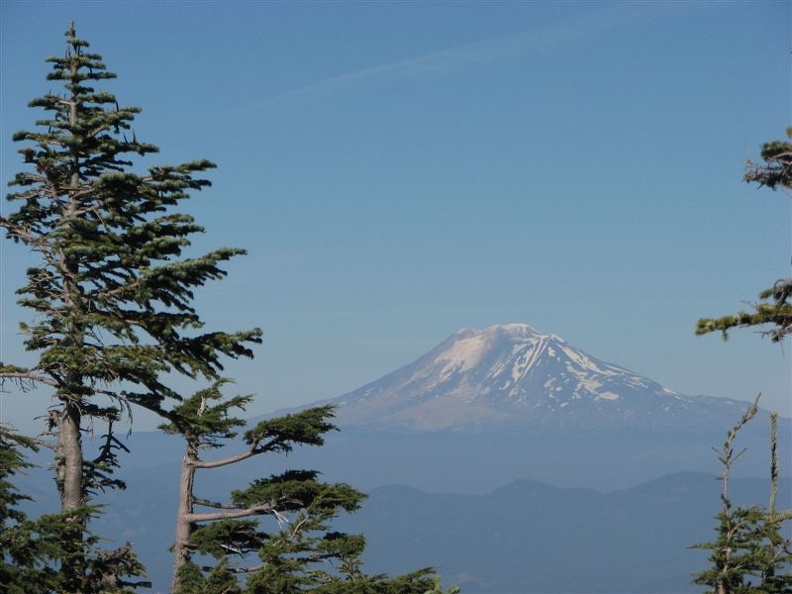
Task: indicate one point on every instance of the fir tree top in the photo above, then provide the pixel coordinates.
(113, 291)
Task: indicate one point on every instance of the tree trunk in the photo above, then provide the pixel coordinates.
(69, 472)
(181, 551)
(70, 459)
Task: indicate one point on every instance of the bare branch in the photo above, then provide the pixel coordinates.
(254, 510)
(253, 451)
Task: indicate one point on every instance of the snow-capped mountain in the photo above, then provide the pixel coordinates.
(514, 376)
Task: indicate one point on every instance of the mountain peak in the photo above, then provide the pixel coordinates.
(512, 375)
(512, 330)
(468, 348)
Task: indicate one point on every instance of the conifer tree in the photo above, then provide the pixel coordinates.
(773, 311)
(111, 293)
(25, 561)
(437, 587)
(31, 550)
(297, 552)
(750, 553)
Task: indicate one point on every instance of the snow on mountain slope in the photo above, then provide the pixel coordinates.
(514, 376)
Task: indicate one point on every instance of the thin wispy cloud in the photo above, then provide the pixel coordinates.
(483, 52)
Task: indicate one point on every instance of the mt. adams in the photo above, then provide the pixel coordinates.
(513, 376)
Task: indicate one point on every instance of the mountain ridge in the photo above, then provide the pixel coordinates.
(512, 538)
(531, 537)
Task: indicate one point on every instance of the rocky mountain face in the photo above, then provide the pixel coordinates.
(513, 376)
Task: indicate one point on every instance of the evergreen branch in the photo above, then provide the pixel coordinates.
(21, 375)
(303, 559)
(214, 504)
(253, 510)
(780, 315)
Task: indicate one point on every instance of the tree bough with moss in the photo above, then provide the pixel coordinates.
(773, 312)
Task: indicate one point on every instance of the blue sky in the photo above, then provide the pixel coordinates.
(401, 170)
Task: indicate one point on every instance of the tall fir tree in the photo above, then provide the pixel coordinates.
(112, 291)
